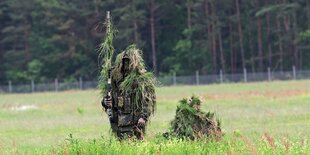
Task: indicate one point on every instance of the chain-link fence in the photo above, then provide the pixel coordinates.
(174, 79)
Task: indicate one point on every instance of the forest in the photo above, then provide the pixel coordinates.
(47, 39)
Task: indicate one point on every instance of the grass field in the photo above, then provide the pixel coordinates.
(258, 118)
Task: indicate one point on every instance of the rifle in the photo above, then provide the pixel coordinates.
(109, 86)
(106, 50)
(109, 96)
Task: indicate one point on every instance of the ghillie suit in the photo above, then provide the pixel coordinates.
(129, 99)
(191, 123)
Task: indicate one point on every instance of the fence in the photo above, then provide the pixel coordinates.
(174, 79)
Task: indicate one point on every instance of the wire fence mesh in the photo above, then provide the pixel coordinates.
(195, 79)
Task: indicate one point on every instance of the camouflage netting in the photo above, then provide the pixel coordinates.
(191, 123)
(144, 89)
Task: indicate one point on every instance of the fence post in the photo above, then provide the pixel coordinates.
(10, 87)
(197, 78)
(81, 83)
(294, 72)
(269, 74)
(245, 75)
(56, 85)
(221, 76)
(32, 86)
(174, 79)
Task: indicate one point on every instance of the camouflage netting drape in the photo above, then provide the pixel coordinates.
(190, 122)
(144, 90)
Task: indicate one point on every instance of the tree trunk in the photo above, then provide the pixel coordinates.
(1, 57)
(269, 41)
(96, 7)
(28, 54)
(214, 32)
(189, 13)
(252, 42)
(300, 60)
(221, 51)
(308, 13)
(232, 53)
(71, 44)
(288, 44)
(280, 44)
(260, 44)
(209, 29)
(259, 40)
(135, 23)
(240, 34)
(152, 23)
(136, 34)
(294, 40)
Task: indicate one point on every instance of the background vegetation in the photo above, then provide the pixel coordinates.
(47, 39)
(271, 118)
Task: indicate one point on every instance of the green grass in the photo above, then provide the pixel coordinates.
(247, 112)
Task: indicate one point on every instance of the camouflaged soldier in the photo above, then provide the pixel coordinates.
(132, 98)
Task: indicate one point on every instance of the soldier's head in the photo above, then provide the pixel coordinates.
(130, 60)
(195, 102)
(125, 63)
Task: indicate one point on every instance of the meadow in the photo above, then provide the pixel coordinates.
(257, 118)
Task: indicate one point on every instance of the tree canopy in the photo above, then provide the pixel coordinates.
(48, 39)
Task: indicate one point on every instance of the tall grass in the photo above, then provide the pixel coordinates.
(230, 144)
(233, 144)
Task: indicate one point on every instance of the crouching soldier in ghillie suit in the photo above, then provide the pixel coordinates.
(132, 96)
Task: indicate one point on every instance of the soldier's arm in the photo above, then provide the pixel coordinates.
(147, 104)
(145, 114)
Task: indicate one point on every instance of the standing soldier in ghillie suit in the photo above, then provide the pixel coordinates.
(129, 96)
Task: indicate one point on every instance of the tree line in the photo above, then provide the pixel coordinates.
(48, 39)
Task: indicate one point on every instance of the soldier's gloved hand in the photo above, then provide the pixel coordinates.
(107, 102)
(141, 122)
